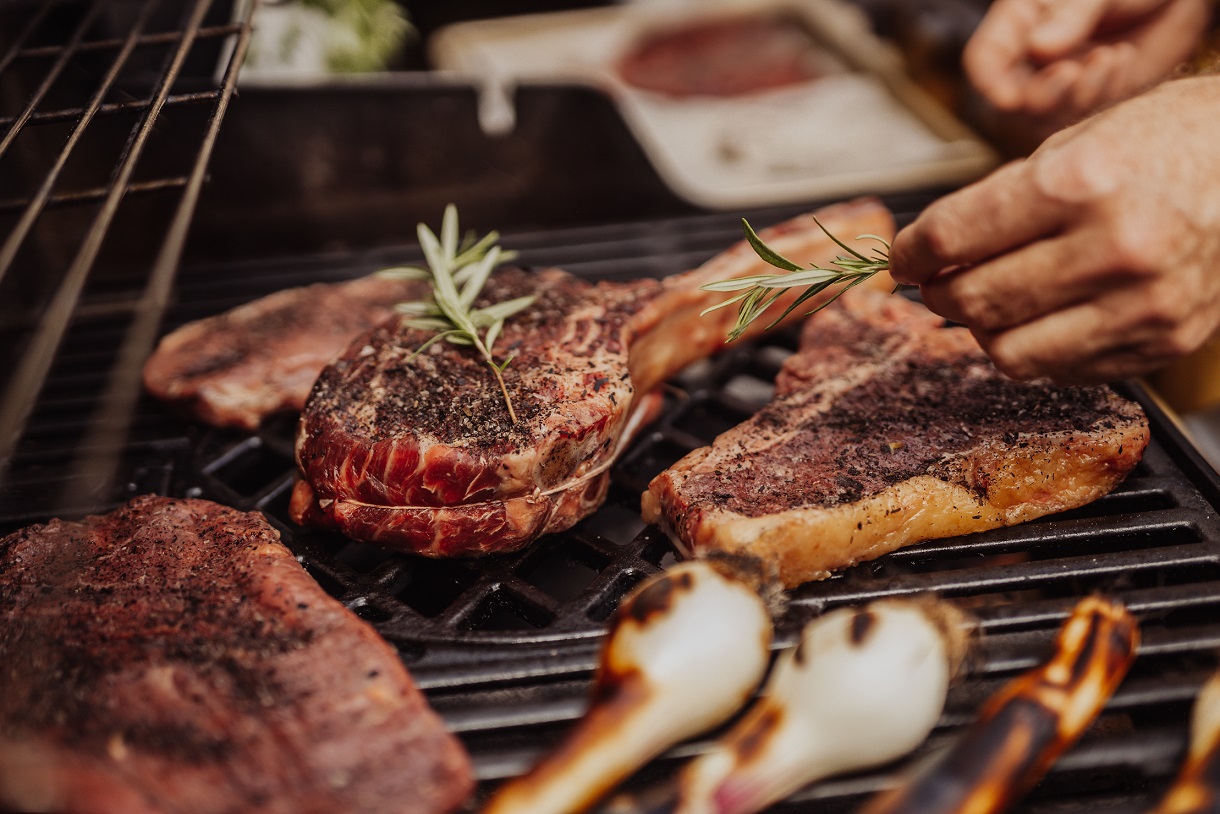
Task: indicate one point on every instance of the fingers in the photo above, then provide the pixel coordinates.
(1049, 89)
(1166, 38)
(1101, 74)
(1012, 289)
(1111, 337)
(1064, 27)
(997, 214)
(996, 58)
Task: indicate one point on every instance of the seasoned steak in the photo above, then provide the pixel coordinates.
(889, 428)
(173, 656)
(236, 368)
(419, 453)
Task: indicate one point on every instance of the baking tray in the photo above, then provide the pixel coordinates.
(863, 125)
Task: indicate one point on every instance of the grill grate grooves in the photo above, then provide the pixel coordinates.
(65, 34)
(505, 646)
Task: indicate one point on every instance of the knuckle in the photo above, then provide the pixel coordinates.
(1180, 341)
(941, 233)
(1164, 308)
(1068, 175)
(978, 311)
(1132, 246)
(1009, 361)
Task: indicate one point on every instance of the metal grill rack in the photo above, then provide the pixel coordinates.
(504, 646)
(109, 111)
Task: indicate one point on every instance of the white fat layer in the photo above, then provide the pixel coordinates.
(851, 701)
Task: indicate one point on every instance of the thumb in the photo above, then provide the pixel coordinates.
(1065, 27)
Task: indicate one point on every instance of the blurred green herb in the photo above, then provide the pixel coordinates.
(457, 273)
(760, 291)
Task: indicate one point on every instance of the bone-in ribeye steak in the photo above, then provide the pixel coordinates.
(419, 453)
(173, 656)
(889, 429)
(237, 368)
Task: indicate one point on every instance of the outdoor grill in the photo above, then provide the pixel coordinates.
(504, 646)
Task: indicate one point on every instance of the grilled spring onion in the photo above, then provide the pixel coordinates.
(684, 652)
(1195, 791)
(1029, 723)
(862, 687)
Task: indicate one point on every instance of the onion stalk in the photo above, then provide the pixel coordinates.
(684, 652)
(862, 687)
(1194, 790)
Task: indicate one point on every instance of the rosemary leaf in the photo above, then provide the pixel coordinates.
(489, 339)
(480, 271)
(796, 279)
(766, 252)
(450, 314)
(430, 325)
(404, 273)
(738, 283)
(760, 292)
(500, 311)
(725, 304)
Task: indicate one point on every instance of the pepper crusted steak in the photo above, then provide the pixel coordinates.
(235, 369)
(173, 656)
(418, 452)
(889, 428)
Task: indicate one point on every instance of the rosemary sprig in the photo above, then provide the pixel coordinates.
(760, 291)
(457, 273)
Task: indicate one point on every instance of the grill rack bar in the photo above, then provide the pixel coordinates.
(68, 114)
(33, 367)
(505, 646)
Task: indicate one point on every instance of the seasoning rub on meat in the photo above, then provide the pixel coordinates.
(173, 656)
(889, 429)
(235, 369)
(418, 452)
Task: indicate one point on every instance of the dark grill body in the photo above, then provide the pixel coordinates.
(504, 646)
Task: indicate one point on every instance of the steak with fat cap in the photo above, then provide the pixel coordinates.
(889, 428)
(418, 452)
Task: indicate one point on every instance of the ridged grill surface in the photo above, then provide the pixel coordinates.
(505, 645)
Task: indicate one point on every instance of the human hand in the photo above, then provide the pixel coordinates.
(1096, 258)
(1044, 64)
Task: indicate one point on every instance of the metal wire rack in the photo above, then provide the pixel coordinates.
(504, 646)
(91, 140)
(108, 114)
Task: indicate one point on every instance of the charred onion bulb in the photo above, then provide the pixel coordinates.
(683, 653)
(862, 687)
(1029, 723)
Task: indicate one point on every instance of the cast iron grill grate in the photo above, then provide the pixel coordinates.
(505, 645)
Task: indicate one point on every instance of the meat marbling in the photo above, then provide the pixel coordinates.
(236, 368)
(887, 429)
(173, 656)
(419, 453)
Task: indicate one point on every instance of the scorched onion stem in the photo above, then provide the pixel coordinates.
(1195, 790)
(1029, 723)
(683, 653)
